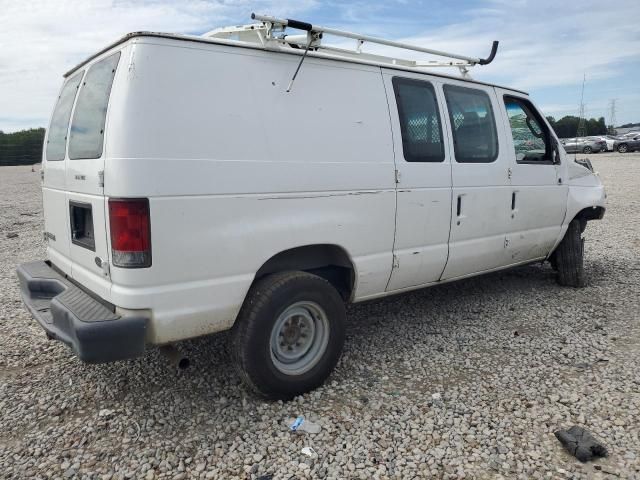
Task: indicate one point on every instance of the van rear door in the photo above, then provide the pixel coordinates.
(84, 178)
(54, 195)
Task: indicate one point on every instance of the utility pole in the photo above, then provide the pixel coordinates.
(612, 116)
(582, 128)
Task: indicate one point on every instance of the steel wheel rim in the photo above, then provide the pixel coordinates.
(299, 338)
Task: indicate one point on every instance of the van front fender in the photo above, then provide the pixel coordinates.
(584, 203)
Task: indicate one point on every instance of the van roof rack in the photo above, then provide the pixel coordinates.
(270, 32)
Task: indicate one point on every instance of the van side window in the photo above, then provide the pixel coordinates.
(531, 138)
(87, 127)
(57, 136)
(475, 138)
(419, 120)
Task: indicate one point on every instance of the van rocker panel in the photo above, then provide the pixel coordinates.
(93, 331)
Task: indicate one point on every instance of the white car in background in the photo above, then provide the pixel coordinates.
(608, 139)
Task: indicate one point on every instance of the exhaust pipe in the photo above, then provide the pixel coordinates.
(175, 357)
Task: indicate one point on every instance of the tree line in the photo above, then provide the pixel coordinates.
(21, 148)
(569, 126)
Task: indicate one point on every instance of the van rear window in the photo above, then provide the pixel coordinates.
(57, 136)
(87, 127)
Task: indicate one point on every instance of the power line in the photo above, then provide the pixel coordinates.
(612, 115)
(582, 129)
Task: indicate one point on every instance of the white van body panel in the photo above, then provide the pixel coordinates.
(237, 170)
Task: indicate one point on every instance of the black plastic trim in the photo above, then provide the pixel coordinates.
(492, 55)
(68, 314)
(89, 243)
(299, 25)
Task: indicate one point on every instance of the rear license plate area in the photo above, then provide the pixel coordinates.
(81, 217)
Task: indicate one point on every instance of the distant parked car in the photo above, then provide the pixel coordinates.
(608, 139)
(583, 145)
(627, 144)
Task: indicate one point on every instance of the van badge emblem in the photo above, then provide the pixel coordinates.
(81, 177)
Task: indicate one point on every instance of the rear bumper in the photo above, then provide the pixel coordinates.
(67, 313)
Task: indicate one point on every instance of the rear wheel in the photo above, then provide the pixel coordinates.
(623, 148)
(587, 149)
(289, 334)
(568, 259)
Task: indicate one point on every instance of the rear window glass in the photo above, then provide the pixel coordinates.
(419, 120)
(474, 128)
(87, 128)
(57, 136)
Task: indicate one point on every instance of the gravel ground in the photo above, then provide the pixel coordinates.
(465, 380)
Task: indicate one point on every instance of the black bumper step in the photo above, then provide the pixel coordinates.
(66, 312)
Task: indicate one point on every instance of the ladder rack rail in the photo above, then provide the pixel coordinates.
(283, 22)
(263, 33)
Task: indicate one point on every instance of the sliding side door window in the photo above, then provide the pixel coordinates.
(475, 138)
(419, 120)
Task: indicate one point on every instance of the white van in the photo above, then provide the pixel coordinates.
(189, 188)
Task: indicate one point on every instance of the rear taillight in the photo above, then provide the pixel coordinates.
(130, 232)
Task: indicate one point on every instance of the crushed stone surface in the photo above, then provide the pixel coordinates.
(463, 380)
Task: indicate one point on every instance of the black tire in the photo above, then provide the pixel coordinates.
(568, 257)
(623, 148)
(587, 149)
(251, 336)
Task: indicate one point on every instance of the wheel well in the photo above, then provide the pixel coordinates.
(589, 213)
(327, 261)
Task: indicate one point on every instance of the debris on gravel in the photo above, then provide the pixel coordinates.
(581, 444)
(451, 391)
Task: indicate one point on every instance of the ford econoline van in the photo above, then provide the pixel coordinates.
(191, 186)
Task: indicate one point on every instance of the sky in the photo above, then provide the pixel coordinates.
(546, 46)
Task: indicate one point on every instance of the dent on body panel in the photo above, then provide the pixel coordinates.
(580, 198)
(131, 66)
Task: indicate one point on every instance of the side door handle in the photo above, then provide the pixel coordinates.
(459, 209)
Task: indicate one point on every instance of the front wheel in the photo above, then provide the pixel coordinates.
(587, 149)
(568, 258)
(289, 334)
(623, 148)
